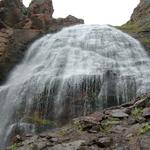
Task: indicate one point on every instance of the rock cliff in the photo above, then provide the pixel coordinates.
(20, 25)
(139, 24)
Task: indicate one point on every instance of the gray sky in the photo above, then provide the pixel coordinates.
(114, 12)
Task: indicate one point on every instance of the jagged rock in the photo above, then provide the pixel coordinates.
(142, 12)
(146, 112)
(12, 12)
(58, 24)
(44, 7)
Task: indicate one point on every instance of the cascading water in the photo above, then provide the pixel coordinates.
(73, 72)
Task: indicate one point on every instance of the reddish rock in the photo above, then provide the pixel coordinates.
(41, 7)
(88, 122)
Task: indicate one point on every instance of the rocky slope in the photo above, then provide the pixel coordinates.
(139, 24)
(20, 26)
(126, 127)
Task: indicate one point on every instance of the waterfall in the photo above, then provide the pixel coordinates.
(74, 72)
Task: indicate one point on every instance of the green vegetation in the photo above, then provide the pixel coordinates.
(129, 27)
(37, 120)
(146, 41)
(137, 113)
(107, 124)
(77, 125)
(144, 129)
(13, 147)
(134, 27)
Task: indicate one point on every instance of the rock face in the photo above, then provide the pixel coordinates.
(12, 12)
(12, 45)
(142, 12)
(19, 26)
(139, 24)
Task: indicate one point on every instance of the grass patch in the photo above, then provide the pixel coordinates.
(13, 147)
(39, 121)
(137, 113)
(130, 27)
(107, 124)
(144, 129)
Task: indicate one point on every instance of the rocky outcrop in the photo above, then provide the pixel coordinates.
(141, 13)
(41, 7)
(139, 24)
(19, 26)
(12, 12)
(122, 127)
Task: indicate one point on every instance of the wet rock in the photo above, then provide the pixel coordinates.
(118, 113)
(146, 112)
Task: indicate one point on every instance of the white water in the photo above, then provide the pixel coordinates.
(80, 69)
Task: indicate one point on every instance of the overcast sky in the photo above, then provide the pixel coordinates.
(114, 12)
